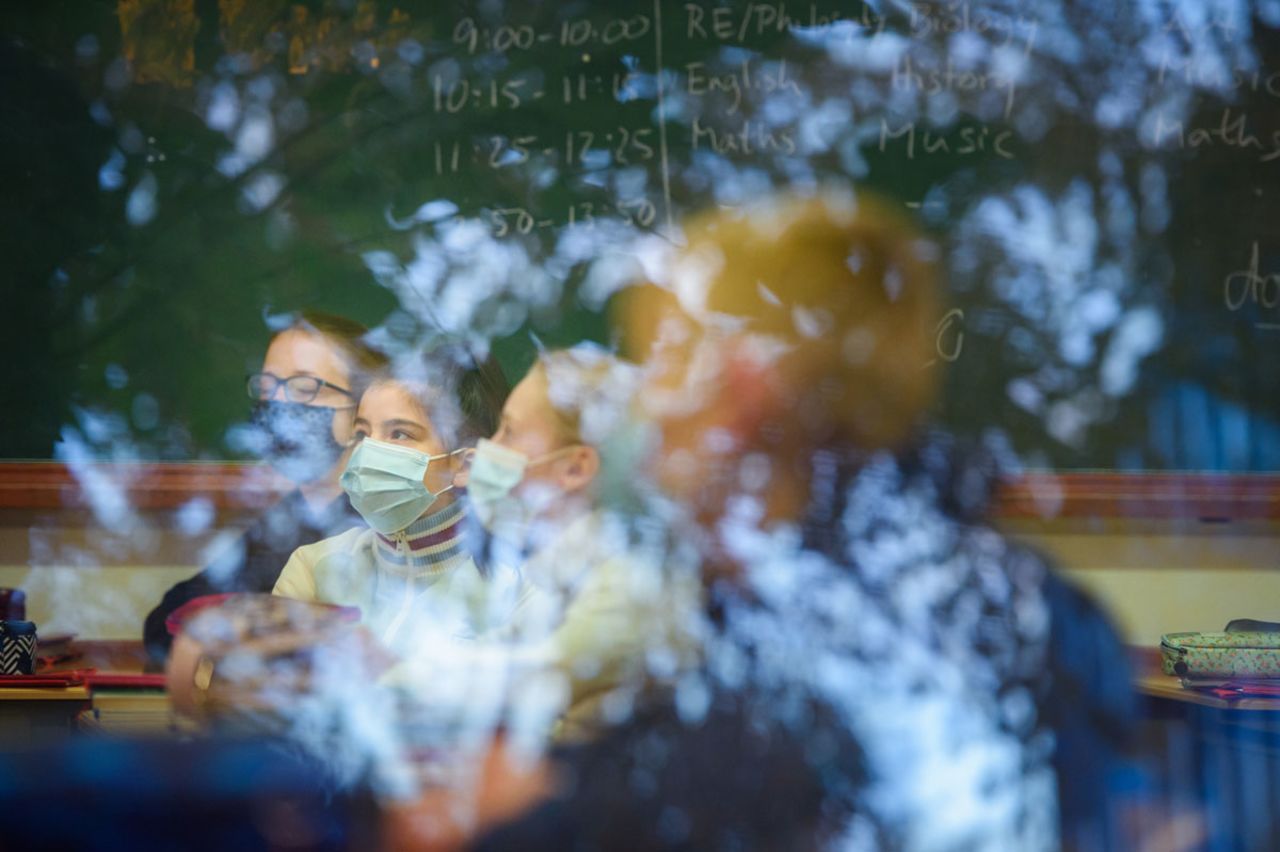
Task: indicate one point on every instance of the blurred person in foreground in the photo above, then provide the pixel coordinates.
(882, 668)
(304, 400)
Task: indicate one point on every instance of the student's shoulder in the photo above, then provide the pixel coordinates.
(345, 543)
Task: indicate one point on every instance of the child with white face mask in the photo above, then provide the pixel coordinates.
(410, 574)
(590, 615)
(534, 476)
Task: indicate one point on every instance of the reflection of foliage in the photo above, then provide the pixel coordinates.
(245, 25)
(281, 168)
(1056, 285)
(159, 40)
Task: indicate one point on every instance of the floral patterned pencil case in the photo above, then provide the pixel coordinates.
(1251, 654)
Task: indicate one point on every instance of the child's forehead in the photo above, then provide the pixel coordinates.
(528, 398)
(389, 399)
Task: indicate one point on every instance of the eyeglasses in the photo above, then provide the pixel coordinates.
(296, 388)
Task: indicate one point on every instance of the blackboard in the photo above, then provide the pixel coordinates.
(1100, 178)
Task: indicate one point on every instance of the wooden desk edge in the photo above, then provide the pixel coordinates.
(45, 693)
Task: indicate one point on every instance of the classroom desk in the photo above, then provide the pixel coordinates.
(1219, 756)
(42, 714)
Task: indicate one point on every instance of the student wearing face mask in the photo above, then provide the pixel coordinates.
(410, 574)
(594, 623)
(304, 400)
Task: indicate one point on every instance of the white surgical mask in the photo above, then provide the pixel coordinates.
(385, 484)
(495, 472)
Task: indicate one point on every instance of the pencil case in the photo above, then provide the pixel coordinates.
(17, 648)
(1251, 654)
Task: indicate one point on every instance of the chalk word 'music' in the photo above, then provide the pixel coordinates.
(966, 140)
(1249, 287)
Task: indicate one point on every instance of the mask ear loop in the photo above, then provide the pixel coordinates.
(464, 468)
(551, 456)
(453, 480)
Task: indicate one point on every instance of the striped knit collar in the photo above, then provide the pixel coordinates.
(431, 545)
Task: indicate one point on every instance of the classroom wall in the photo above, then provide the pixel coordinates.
(101, 584)
(93, 603)
(1153, 578)
(1163, 577)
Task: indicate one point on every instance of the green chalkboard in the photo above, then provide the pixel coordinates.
(1101, 180)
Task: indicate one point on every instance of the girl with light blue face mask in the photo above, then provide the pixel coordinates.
(399, 468)
(388, 483)
(410, 573)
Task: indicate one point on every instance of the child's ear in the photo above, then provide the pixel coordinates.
(462, 473)
(579, 467)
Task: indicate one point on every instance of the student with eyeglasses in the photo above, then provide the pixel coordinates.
(304, 401)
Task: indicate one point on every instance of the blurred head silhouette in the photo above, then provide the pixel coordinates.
(791, 326)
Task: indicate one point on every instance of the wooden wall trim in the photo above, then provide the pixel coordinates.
(153, 486)
(159, 486)
(1141, 496)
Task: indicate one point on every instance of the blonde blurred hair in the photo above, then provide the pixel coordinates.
(587, 391)
(846, 285)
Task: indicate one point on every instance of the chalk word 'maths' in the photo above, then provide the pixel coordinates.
(1232, 131)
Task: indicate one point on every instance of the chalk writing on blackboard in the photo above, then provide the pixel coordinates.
(637, 138)
(576, 33)
(1248, 287)
(749, 137)
(928, 19)
(948, 337)
(742, 79)
(1231, 131)
(908, 76)
(730, 25)
(521, 220)
(620, 146)
(453, 96)
(1215, 75)
(965, 140)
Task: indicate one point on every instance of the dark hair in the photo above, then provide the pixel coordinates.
(482, 391)
(462, 396)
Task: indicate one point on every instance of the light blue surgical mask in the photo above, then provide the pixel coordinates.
(385, 484)
(495, 472)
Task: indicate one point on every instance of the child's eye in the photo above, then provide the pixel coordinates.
(401, 435)
(358, 435)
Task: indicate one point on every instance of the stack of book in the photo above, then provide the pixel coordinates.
(129, 712)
